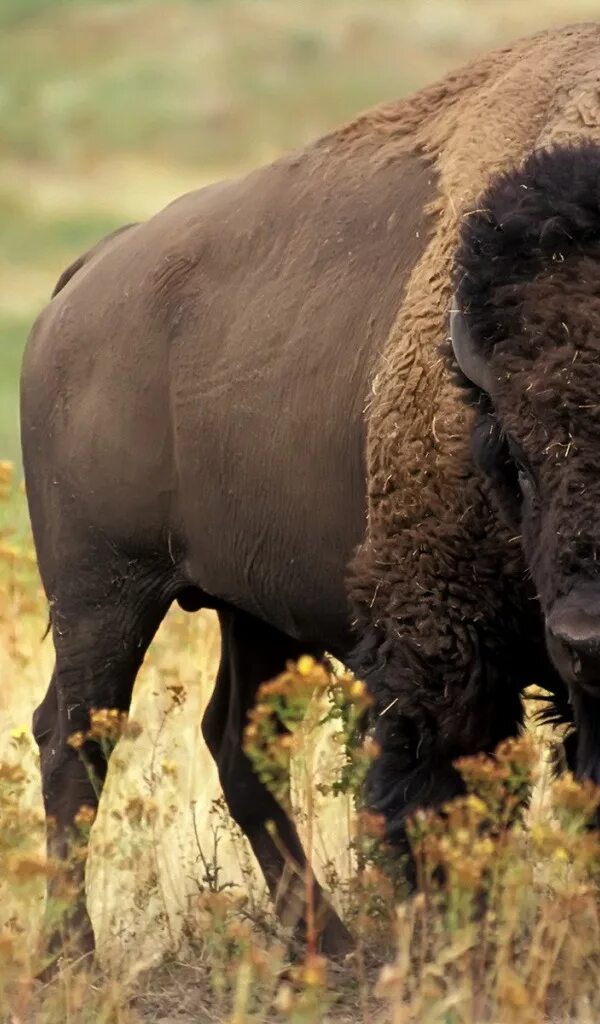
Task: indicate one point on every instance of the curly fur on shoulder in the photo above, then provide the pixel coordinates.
(531, 220)
(450, 631)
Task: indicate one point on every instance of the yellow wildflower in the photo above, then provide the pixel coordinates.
(20, 733)
(85, 816)
(314, 972)
(76, 740)
(305, 664)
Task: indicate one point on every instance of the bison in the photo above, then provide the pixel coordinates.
(248, 404)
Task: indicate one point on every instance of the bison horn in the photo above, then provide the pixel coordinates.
(470, 361)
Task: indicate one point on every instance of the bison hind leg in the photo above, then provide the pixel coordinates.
(104, 616)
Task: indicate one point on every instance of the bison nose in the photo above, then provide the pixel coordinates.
(573, 639)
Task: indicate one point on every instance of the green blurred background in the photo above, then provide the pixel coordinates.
(110, 109)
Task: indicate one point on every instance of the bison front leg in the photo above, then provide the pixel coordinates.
(420, 739)
(253, 653)
(409, 774)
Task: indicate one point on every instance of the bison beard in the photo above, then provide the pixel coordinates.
(526, 339)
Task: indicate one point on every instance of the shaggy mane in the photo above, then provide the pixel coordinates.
(543, 215)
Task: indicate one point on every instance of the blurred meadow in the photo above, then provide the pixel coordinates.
(108, 110)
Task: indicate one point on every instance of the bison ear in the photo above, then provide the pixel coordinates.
(470, 361)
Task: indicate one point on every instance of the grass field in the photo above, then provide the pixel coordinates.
(108, 111)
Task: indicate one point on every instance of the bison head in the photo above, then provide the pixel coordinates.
(525, 329)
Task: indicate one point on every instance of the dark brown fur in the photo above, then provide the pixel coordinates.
(222, 403)
(449, 625)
